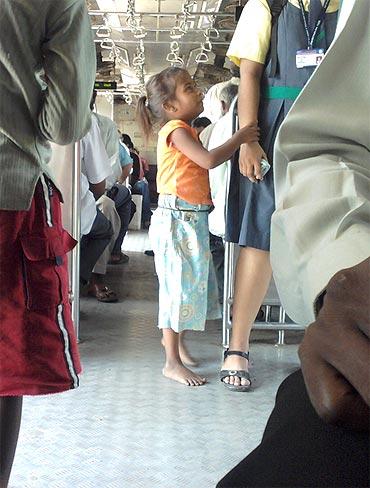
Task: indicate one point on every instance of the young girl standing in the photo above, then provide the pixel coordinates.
(179, 227)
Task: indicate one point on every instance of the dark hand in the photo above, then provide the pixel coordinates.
(335, 351)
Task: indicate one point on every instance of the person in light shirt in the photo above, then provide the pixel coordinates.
(211, 137)
(115, 190)
(96, 168)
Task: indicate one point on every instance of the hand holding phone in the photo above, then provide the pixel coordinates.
(265, 166)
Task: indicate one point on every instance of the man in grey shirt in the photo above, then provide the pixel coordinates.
(318, 433)
(47, 71)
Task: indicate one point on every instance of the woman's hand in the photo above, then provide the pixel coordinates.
(250, 156)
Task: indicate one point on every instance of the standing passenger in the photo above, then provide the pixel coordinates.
(179, 229)
(47, 70)
(216, 133)
(275, 64)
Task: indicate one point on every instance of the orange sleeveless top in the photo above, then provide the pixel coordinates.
(177, 174)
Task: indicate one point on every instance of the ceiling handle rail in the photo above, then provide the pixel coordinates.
(160, 14)
(151, 42)
(105, 29)
(134, 22)
(126, 29)
(173, 56)
(178, 31)
(206, 46)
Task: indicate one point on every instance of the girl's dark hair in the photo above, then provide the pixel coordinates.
(160, 89)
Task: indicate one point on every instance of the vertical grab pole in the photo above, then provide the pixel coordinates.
(229, 251)
(76, 231)
(228, 292)
(225, 304)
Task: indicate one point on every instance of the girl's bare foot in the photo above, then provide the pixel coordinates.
(184, 355)
(178, 372)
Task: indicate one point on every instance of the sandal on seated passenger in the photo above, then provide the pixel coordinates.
(240, 373)
(118, 258)
(103, 294)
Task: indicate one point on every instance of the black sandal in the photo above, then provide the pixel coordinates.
(241, 373)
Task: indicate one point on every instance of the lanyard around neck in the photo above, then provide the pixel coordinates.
(311, 37)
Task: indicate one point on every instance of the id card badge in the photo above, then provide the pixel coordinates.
(309, 57)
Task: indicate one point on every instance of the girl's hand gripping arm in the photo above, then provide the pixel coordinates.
(194, 150)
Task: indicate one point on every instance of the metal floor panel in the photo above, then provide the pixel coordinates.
(129, 427)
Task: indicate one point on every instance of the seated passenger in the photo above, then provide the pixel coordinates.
(115, 190)
(96, 167)
(125, 161)
(96, 232)
(139, 185)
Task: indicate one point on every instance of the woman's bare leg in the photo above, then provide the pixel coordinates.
(252, 278)
(10, 421)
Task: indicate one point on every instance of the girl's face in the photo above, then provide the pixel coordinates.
(187, 104)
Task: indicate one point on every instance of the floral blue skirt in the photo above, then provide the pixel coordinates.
(188, 293)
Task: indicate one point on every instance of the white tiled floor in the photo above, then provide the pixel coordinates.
(136, 241)
(129, 427)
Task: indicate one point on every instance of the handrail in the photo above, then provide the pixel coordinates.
(76, 233)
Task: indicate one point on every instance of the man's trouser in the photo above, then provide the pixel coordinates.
(299, 450)
(93, 244)
(107, 207)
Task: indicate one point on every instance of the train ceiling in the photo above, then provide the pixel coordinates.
(136, 38)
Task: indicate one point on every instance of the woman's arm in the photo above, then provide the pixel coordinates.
(248, 102)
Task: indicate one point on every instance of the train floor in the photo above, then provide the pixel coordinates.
(129, 427)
